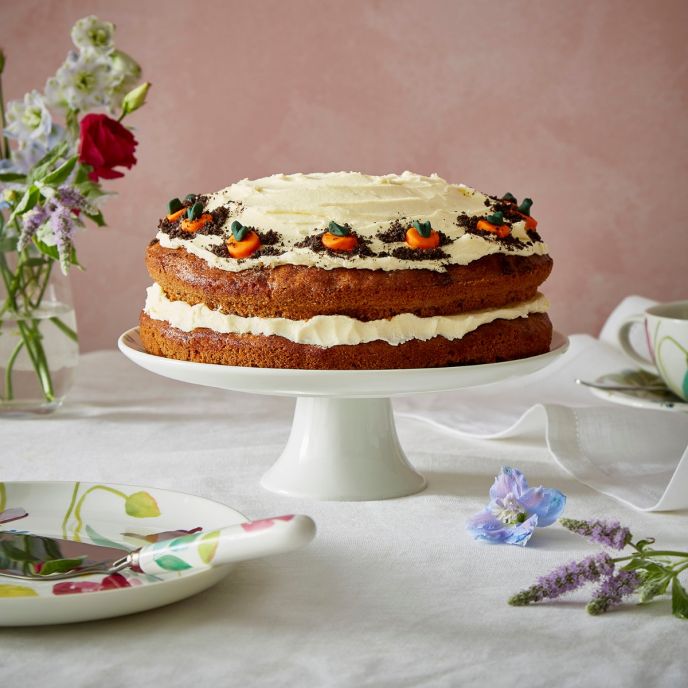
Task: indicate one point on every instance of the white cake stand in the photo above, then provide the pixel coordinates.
(343, 443)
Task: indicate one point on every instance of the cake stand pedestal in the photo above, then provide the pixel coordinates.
(343, 443)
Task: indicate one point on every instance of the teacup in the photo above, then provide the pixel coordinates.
(666, 331)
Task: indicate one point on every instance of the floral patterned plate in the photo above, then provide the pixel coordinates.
(663, 400)
(123, 516)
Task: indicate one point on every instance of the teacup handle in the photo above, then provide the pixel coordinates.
(625, 343)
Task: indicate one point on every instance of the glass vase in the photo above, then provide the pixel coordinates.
(39, 349)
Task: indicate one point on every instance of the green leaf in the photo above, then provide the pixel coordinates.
(423, 228)
(642, 544)
(679, 599)
(496, 218)
(171, 563)
(338, 230)
(238, 230)
(12, 177)
(98, 539)
(27, 201)
(60, 566)
(58, 176)
(42, 167)
(654, 584)
(82, 174)
(52, 252)
(96, 217)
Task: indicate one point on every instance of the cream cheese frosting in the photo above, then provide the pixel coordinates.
(297, 206)
(332, 330)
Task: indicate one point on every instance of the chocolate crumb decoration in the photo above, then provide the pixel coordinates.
(215, 226)
(395, 233)
(220, 250)
(269, 238)
(408, 253)
(470, 224)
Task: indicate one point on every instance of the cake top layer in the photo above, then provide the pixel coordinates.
(291, 212)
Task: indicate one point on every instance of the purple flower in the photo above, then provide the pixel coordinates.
(54, 223)
(612, 591)
(31, 221)
(566, 578)
(514, 510)
(609, 533)
(62, 225)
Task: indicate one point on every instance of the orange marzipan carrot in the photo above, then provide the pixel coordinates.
(339, 243)
(173, 217)
(244, 248)
(416, 240)
(192, 226)
(500, 230)
(531, 222)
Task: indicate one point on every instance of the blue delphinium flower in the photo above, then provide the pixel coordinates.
(514, 510)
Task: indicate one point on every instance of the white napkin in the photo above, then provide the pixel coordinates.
(637, 456)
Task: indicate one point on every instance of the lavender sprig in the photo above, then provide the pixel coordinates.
(612, 533)
(646, 572)
(566, 578)
(612, 591)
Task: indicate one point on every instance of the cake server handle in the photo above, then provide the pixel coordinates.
(235, 543)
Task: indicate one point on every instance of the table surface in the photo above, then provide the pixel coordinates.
(391, 593)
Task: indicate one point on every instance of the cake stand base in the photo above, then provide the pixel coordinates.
(343, 449)
(343, 444)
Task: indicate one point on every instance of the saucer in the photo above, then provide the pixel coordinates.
(124, 516)
(662, 400)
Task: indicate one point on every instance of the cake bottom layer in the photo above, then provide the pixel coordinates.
(499, 340)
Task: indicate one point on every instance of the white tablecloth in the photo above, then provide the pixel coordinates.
(391, 593)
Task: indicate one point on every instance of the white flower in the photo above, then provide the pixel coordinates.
(92, 33)
(84, 81)
(29, 121)
(125, 74)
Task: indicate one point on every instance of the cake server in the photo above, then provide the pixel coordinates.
(37, 557)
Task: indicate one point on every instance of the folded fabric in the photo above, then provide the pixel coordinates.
(637, 456)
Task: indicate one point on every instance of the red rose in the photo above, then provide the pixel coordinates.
(106, 144)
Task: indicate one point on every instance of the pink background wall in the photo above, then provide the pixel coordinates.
(581, 105)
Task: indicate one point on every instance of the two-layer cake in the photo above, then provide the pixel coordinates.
(347, 271)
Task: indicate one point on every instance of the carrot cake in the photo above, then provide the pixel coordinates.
(347, 271)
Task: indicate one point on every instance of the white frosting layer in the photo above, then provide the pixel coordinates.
(331, 330)
(301, 205)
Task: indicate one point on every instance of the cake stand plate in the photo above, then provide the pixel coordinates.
(343, 443)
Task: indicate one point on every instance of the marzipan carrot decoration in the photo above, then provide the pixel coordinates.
(339, 238)
(421, 235)
(243, 242)
(523, 210)
(175, 209)
(195, 218)
(495, 224)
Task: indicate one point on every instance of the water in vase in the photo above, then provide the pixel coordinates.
(38, 356)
